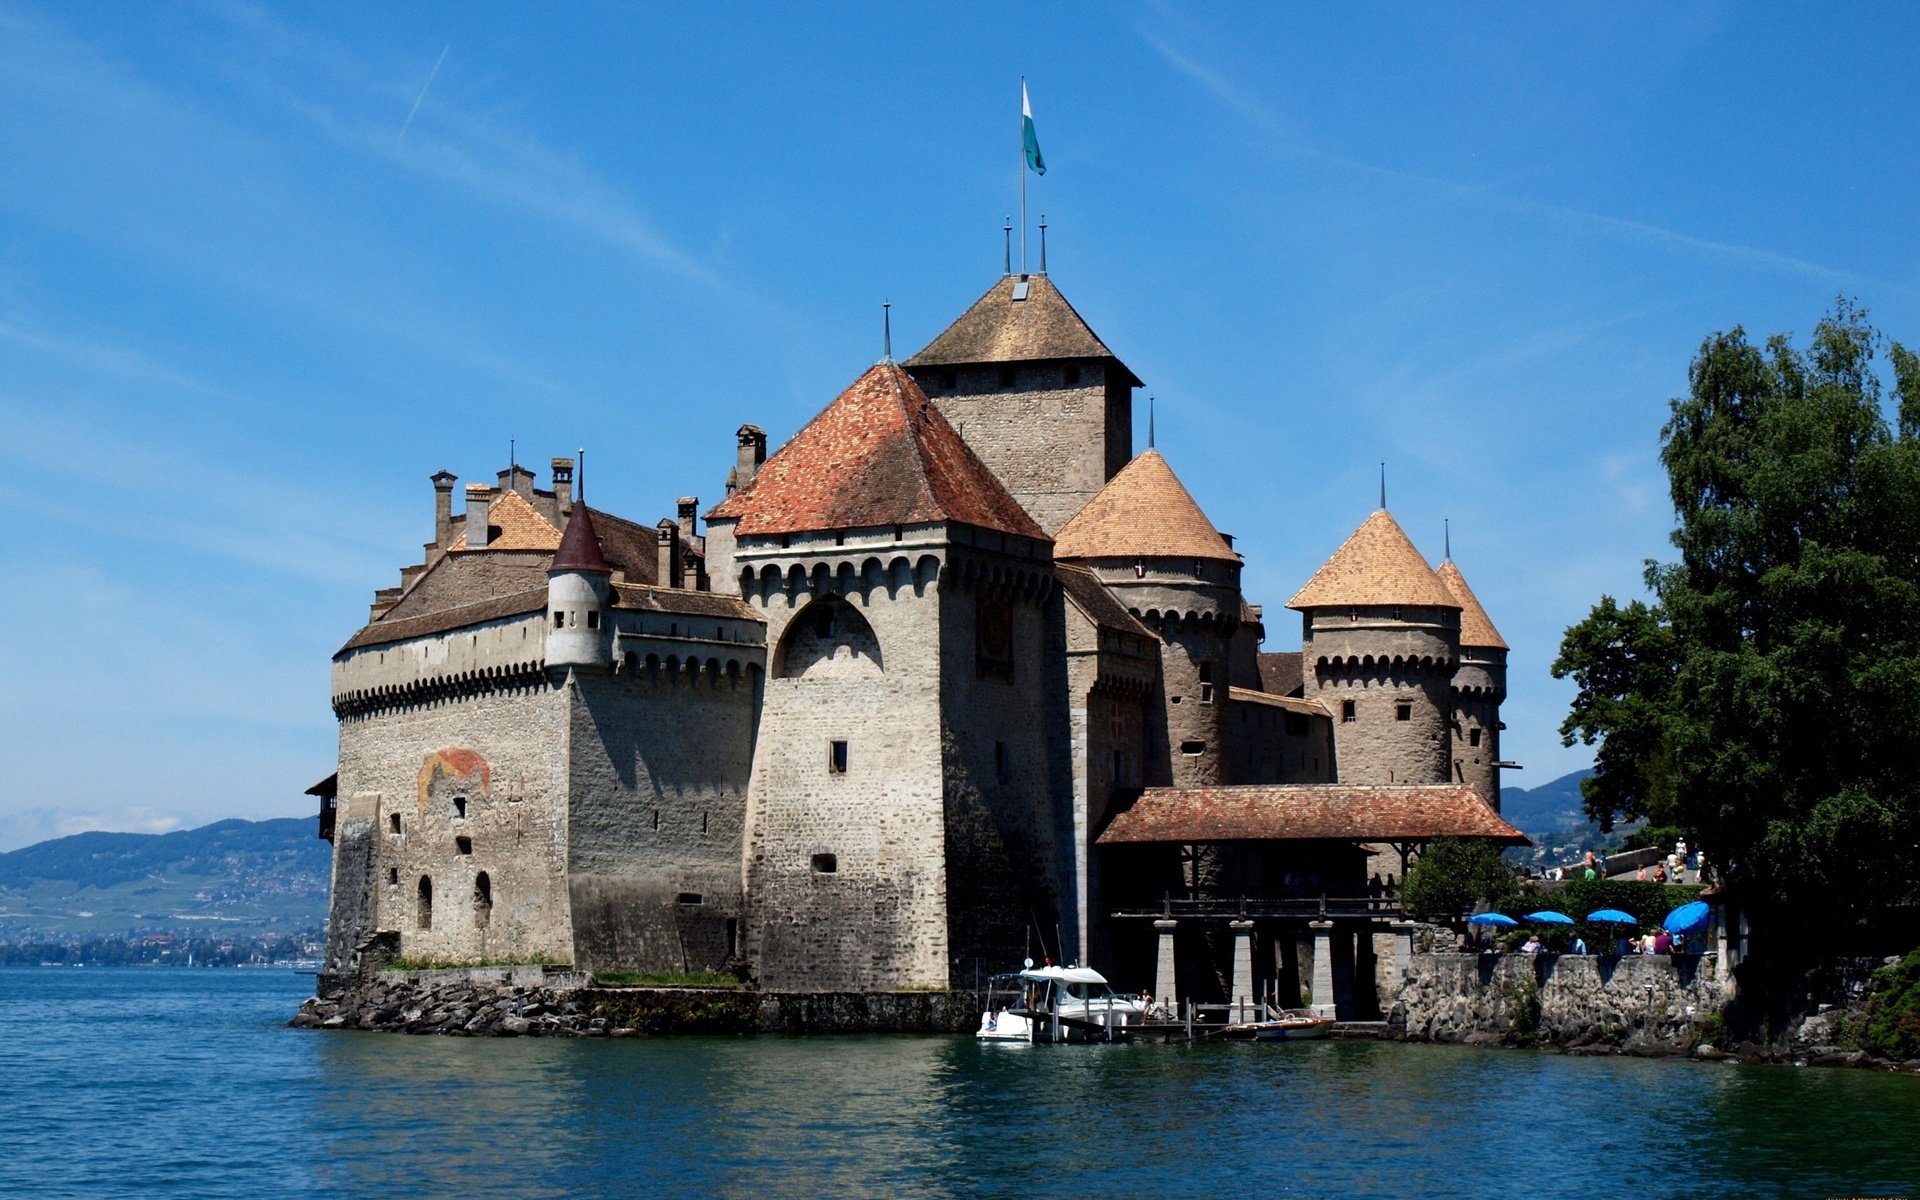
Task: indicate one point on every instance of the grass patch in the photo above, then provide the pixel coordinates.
(686, 979)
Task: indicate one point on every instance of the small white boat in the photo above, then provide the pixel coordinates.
(1057, 1004)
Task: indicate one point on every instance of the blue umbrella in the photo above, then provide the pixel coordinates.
(1543, 917)
(1688, 917)
(1612, 916)
(1498, 920)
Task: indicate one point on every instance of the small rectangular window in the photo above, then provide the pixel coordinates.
(463, 844)
(1346, 711)
(559, 619)
(1473, 737)
(459, 807)
(1206, 683)
(825, 864)
(1403, 711)
(393, 822)
(837, 758)
(689, 898)
(593, 618)
(1193, 748)
(393, 876)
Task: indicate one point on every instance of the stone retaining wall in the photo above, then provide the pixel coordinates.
(529, 1002)
(1653, 1003)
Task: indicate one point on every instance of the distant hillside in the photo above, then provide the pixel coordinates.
(1549, 808)
(256, 876)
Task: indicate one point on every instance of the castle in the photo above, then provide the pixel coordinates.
(953, 678)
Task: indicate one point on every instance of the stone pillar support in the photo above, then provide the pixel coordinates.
(1165, 977)
(1242, 997)
(1323, 1005)
(1402, 951)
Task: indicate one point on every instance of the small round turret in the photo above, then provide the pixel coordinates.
(1479, 687)
(579, 598)
(1379, 643)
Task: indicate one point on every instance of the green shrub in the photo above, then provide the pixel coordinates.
(1893, 1015)
(1453, 875)
(689, 979)
(1523, 1003)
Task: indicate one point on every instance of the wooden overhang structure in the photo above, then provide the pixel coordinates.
(1405, 817)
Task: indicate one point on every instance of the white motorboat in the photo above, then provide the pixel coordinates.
(1057, 1004)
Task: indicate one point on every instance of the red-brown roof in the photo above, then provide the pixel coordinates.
(881, 454)
(580, 545)
(1309, 812)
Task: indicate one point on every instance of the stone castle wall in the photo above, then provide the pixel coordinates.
(1052, 444)
(1479, 687)
(845, 868)
(1378, 663)
(660, 755)
(445, 792)
(1652, 1001)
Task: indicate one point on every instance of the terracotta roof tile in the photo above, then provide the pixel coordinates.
(521, 526)
(1476, 628)
(998, 328)
(580, 545)
(1281, 673)
(1310, 812)
(1143, 512)
(881, 454)
(1377, 565)
(1093, 598)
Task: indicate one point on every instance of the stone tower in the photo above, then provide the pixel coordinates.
(902, 826)
(579, 586)
(1379, 643)
(1479, 688)
(1042, 401)
(1153, 547)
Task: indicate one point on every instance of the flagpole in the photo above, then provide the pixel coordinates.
(1023, 176)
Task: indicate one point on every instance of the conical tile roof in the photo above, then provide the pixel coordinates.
(881, 454)
(1143, 512)
(580, 545)
(1377, 565)
(1476, 628)
(999, 328)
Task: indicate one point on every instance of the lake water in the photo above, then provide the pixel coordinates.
(176, 1083)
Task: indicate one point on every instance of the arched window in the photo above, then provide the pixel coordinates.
(426, 902)
(482, 900)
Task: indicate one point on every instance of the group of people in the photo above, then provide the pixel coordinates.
(1657, 942)
(1674, 868)
(1377, 889)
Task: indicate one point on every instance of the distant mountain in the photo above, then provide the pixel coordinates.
(252, 876)
(1550, 808)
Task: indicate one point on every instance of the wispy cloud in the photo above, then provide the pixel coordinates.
(1286, 137)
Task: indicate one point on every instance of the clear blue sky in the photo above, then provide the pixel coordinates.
(262, 272)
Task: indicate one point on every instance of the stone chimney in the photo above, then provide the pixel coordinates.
(478, 497)
(668, 574)
(563, 486)
(689, 517)
(443, 482)
(517, 479)
(753, 452)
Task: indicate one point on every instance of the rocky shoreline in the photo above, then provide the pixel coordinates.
(530, 1002)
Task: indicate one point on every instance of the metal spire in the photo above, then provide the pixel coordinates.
(886, 331)
(1383, 487)
(1043, 243)
(1006, 254)
(1446, 526)
(581, 475)
(1149, 422)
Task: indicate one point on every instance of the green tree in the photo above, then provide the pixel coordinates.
(1454, 874)
(1768, 701)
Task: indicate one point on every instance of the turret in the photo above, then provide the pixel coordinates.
(1153, 547)
(1479, 688)
(579, 597)
(1380, 638)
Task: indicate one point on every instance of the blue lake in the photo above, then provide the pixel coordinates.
(186, 1083)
